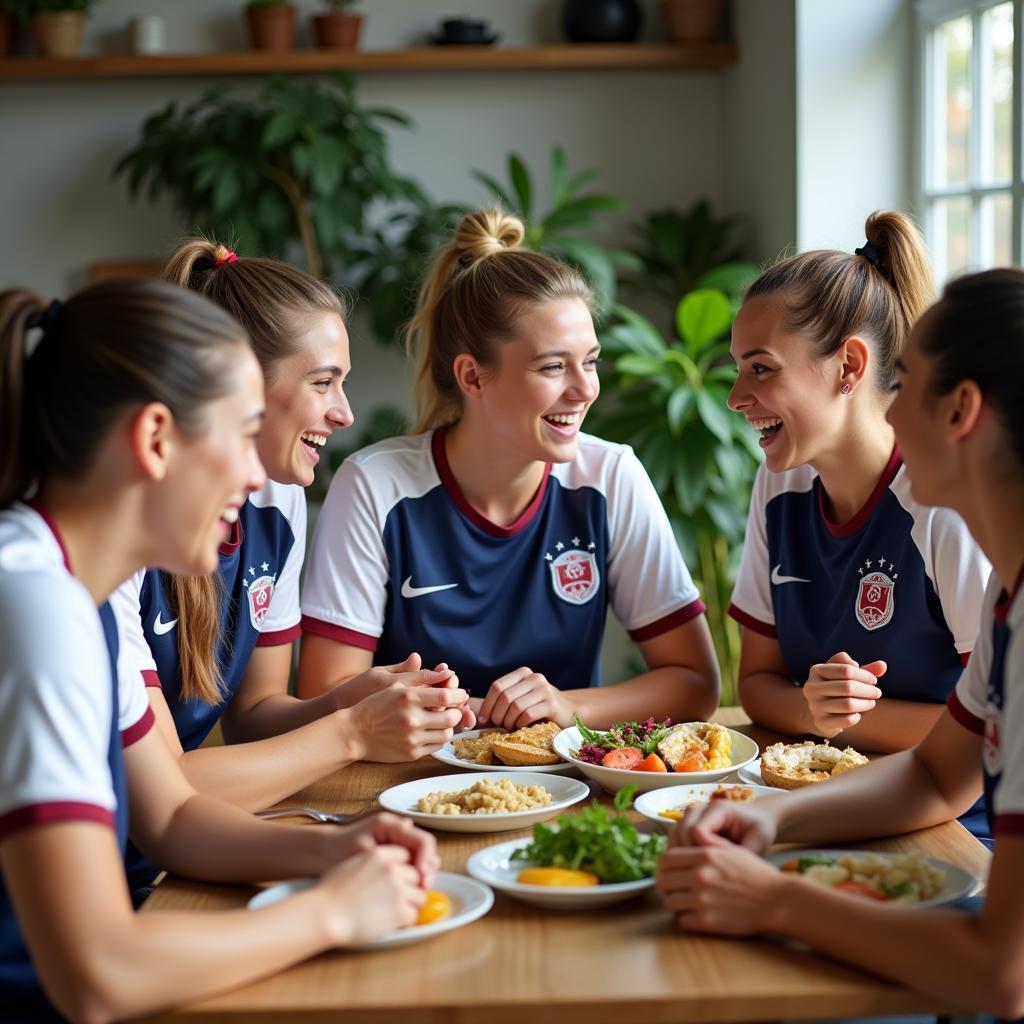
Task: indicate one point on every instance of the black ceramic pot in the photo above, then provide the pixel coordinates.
(601, 21)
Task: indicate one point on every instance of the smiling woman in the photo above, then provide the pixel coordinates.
(848, 587)
(221, 648)
(495, 538)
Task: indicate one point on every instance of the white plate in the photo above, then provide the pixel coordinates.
(751, 775)
(744, 750)
(959, 883)
(653, 802)
(404, 799)
(470, 900)
(447, 755)
(494, 866)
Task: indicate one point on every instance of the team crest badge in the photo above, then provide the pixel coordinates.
(990, 743)
(874, 605)
(260, 591)
(575, 577)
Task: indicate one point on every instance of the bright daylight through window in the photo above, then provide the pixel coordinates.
(970, 180)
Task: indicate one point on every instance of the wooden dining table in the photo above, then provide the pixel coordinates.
(525, 965)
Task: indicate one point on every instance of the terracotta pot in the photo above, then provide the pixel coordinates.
(337, 30)
(6, 34)
(692, 21)
(58, 33)
(271, 27)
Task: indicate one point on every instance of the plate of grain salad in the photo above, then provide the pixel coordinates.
(485, 802)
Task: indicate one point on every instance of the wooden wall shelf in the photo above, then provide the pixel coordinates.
(580, 57)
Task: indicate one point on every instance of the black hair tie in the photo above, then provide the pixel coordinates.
(49, 320)
(870, 253)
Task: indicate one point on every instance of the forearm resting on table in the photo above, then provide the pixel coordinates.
(254, 776)
(675, 692)
(976, 962)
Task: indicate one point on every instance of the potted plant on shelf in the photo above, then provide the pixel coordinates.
(56, 24)
(271, 24)
(692, 21)
(338, 29)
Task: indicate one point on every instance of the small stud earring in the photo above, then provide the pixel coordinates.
(845, 389)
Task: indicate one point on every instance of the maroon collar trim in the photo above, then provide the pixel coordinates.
(851, 526)
(234, 541)
(1005, 600)
(444, 471)
(52, 526)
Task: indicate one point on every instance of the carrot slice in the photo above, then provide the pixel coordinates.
(651, 763)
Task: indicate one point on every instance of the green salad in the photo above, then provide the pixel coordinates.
(597, 840)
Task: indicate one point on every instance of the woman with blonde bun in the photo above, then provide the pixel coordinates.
(128, 417)
(959, 420)
(495, 536)
(860, 605)
(219, 648)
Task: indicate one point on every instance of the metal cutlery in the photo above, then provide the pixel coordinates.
(324, 817)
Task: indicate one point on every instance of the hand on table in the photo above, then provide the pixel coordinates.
(406, 673)
(521, 697)
(723, 888)
(374, 891)
(390, 830)
(839, 692)
(404, 723)
(725, 823)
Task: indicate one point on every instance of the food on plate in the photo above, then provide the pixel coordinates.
(792, 765)
(652, 746)
(697, 747)
(735, 793)
(899, 878)
(624, 736)
(598, 841)
(531, 745)
(486, 797)
(436, 907)
(556, 876)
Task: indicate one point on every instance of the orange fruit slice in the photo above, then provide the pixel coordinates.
(436, 907)
(556, 876)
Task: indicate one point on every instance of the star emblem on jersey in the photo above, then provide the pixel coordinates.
(875, 605)
(260, 591)
(574, 573)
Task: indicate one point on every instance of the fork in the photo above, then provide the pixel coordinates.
(324, 817)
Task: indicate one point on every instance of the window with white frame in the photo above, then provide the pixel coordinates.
(970, 182)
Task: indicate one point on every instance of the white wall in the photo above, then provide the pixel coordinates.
(854, 116)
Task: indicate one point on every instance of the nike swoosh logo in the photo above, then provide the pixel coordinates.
(777, 578)
(408, 590)
(163, 627)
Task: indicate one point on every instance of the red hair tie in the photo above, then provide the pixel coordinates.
(224, 256)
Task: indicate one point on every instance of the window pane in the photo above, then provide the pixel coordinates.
(995, 107)
(951, 222)
(996, 231)
(952, 102)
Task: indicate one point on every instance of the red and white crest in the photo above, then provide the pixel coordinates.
(874, 605)
(575, 577)
(260, 592)
(990, 743)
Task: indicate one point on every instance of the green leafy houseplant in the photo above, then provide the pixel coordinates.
(668, 400)
(558, 231)
(302, 162)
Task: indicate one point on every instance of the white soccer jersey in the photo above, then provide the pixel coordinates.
(989, 700)
(401, 562)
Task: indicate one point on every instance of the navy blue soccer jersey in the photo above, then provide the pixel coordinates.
(989, 700)
(259, 580)
(64, 716)
(401, 562)
(898, 582)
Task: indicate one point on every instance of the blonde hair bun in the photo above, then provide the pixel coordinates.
(486, 232)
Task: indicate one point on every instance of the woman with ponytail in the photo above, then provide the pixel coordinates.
(128, 418)
(219, 648)
(958, 416)
(860, 606)
(495, 537)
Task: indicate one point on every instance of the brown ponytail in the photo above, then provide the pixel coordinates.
(879, 291)
(111, 347)
(475, 291)
(268, 298)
